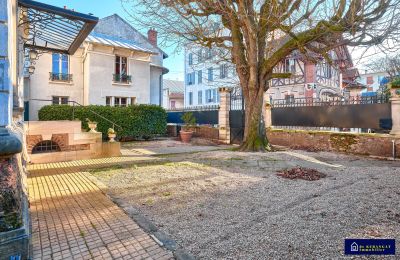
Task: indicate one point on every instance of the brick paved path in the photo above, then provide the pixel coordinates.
(73, 219)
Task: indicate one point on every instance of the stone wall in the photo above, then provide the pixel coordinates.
(361, 144)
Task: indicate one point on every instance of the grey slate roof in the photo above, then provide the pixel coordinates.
(115, 42)
(174, 86)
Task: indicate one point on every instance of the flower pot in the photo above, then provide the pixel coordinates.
(92, 127)
(186, 136)
(112, 137)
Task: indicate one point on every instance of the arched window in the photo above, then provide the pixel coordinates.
(46, 147)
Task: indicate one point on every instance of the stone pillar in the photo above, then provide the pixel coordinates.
(395, 102)
(267, 115)
(267, 111)
(223, 115)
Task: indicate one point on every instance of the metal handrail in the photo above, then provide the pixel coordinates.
(73, 111)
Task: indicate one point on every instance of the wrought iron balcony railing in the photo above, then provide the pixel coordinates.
(60, 77)
(122, 78)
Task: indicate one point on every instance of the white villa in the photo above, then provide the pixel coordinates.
(205, 72)
(115, 66)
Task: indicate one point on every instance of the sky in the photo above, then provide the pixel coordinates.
(175, 61)
(103, 8)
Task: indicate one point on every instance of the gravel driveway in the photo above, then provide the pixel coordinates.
(231, 205)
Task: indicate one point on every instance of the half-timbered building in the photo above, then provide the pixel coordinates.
(310, 78)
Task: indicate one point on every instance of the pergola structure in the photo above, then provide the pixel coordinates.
(46, 27)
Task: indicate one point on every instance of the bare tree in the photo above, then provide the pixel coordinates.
(261, 33)
(388, 64)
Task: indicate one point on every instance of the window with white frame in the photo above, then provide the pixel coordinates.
(200, 55)
(190, 59)
(200, 77)
(199, 97)
(211, 95)
(191, 78)
(223, 71)
(57, 100)
(60, 67)
(120, 101)
(121, 70)
(289, 65)
(209, 53)
(190, 98)
(210, 74)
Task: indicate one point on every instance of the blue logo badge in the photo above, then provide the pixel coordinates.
(369, 246)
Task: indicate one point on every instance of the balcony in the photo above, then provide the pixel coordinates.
(122, 78)
(60, 77)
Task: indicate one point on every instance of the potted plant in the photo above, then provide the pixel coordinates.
(92, 125)
(111, 134)
(395, 87)
(185, 133)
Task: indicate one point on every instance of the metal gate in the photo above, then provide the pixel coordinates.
(237, 116)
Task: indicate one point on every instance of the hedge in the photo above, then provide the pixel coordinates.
(137, 121)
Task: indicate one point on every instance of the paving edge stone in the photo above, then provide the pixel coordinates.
(157, 235)
(148, 226)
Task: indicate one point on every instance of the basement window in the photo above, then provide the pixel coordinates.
(46, 147)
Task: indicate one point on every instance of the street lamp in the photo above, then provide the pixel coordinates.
(33, 55)
(31, 69)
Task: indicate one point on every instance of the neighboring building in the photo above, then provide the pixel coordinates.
(373, 80)
(205, 72)
(115, 66)
(173, 94)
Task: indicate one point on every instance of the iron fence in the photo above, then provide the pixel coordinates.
(237, 101)
(194, 108)
(330, 101)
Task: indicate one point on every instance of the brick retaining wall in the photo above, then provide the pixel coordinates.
(206, 132)
(361, 144)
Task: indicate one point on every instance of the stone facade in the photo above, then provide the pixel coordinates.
(360, 144)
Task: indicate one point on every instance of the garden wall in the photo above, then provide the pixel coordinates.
(352, 143)
(205, 132)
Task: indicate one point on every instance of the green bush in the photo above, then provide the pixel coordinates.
(138, 121)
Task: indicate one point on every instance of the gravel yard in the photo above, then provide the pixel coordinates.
(222, 204)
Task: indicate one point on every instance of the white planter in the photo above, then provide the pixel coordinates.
(112, 137)
(92, 127)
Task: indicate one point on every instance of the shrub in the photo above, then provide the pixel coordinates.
(138, 121)
(396, 83)
(189, 119)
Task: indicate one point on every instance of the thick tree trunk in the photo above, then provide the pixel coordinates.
(255, 139)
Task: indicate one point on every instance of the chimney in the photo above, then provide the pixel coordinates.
(152, 36)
